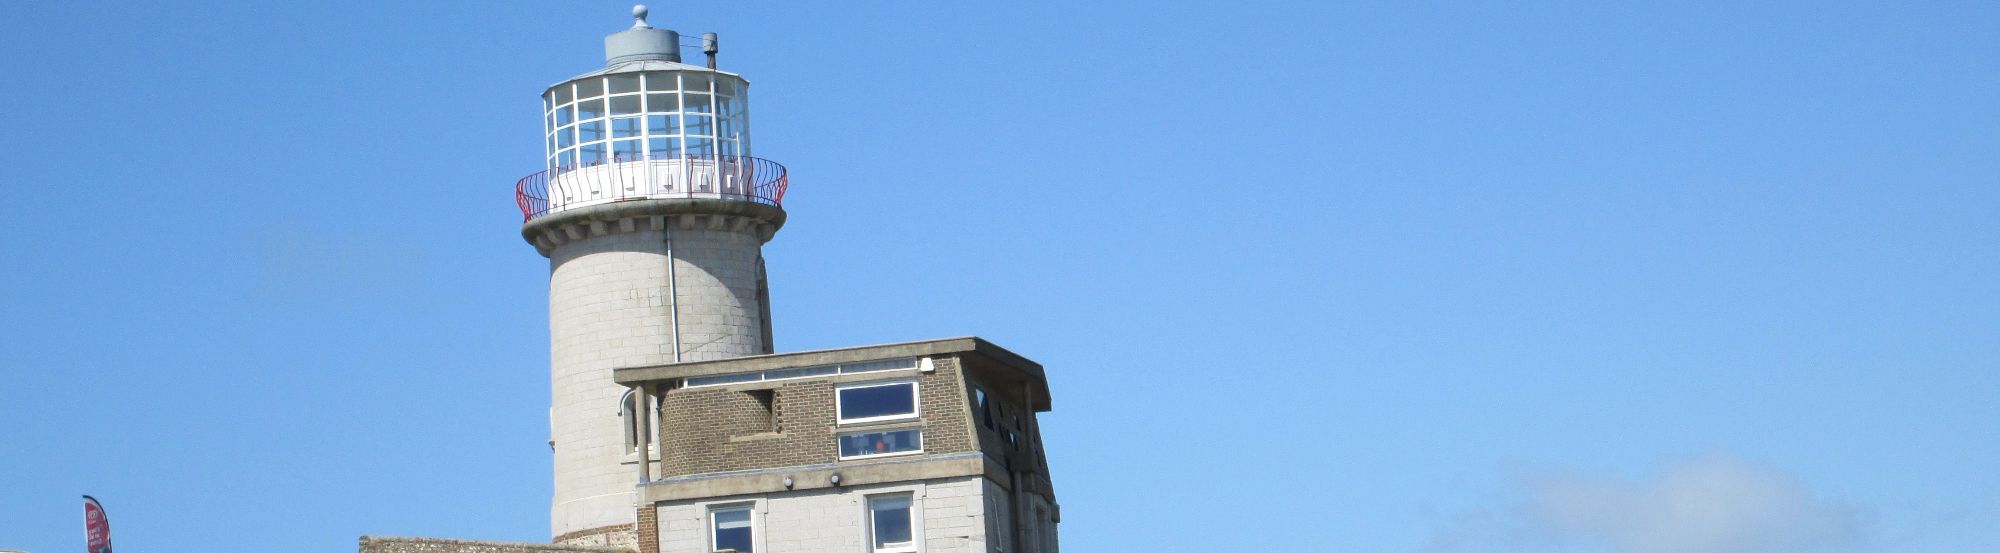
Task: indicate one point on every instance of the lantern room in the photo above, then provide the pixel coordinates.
(648, 126)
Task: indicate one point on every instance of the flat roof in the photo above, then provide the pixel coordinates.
(985, 358)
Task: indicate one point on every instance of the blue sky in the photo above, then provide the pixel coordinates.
(1592, 277)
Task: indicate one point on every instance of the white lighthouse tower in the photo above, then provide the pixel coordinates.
(653, 215)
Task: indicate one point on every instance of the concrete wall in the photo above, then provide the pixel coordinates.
(950, 517)
(609, 307)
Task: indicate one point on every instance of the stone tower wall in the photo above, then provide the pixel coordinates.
(610, 306)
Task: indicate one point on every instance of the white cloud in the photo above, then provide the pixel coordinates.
(1712, 504)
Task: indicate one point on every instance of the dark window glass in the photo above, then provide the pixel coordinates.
(890, 522)
(878, 443)
(877, 401)
(563, 94)
(732, 529)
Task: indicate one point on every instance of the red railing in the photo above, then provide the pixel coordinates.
(741, 178)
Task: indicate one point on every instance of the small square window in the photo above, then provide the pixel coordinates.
(889, 524)
(730, 528)
(876, 402)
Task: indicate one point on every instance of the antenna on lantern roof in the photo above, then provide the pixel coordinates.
(639, 17)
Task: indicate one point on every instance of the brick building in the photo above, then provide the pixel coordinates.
(674, 426)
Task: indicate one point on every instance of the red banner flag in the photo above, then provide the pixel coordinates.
(96, 526)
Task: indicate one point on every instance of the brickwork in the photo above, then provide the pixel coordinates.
(379, 544)
(610, 306)
(649, 529)
(718, 429)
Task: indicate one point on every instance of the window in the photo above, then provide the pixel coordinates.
(985, 409)
(876, 402)
(873, 444)
(889, 528)
(729, 528)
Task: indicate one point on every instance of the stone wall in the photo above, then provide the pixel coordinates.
(609, 307)
(386, 544)
(951, 518)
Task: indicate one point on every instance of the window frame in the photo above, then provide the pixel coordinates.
(910, 510)
(918, 451)
(749, 514)
(839, 404)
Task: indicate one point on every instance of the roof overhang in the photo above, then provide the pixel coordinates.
(992, 362)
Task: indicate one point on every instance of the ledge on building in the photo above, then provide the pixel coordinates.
(980, 355)
(400, 544)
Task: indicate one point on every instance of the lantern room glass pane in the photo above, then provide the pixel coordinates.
(625, 105)
(565, 115)
(728, 147)
(565, 137)
(700, 146)
(563, 93)
(661, 148)
(662, 81)
(663, 103)
(590, 88)
(626, 127)
(694, 103)
(590, 131)
(626, 149)
(663, 124)
(590, 109)
(694, 83)
(696, 124)
(591, 154)
(624, 82)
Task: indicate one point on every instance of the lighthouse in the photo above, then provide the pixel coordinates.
(653, 213)
(674, 424)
